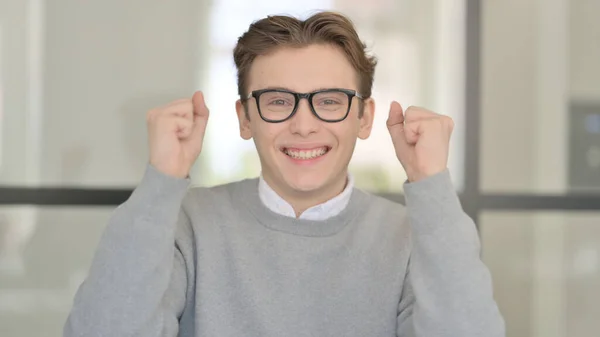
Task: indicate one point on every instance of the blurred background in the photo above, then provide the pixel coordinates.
(521, 78)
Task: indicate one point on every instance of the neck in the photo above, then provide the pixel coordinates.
(303, 200)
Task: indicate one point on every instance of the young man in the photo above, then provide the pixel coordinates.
(297, 251)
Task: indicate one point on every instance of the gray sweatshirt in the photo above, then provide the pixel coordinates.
(180, 261)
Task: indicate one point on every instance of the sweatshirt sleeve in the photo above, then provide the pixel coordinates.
(448, 290)
(137, 282)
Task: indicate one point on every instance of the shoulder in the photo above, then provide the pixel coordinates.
(206, 210)
(385, 205)
(384, 216)
(219, 197)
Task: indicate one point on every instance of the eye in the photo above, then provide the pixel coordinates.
(278, 102)
(329, 102)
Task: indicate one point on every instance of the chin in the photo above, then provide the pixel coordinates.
(305, 181)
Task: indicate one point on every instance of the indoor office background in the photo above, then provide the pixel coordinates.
(521, 78)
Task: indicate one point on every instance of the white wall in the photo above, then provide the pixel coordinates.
(14, 30)
(79, 77)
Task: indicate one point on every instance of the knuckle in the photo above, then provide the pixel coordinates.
(448, 121)
(179, 103)
(180, 107)
(186, 108)
(188, 105)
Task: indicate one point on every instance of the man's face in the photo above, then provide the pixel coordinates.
(304, 154)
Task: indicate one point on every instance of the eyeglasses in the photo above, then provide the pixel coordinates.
(279, 105)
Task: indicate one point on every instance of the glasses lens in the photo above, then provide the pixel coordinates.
(331, 105)
(276, 105)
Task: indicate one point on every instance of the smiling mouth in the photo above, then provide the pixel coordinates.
(306, 154)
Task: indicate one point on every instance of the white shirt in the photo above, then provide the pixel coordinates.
(323, 211)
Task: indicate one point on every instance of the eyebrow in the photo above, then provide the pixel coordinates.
(288, 89)
(277, 88)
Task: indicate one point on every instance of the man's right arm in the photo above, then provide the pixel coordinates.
(137, 282)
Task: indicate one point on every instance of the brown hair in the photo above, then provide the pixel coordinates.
(272, 32)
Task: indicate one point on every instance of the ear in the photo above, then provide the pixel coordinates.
(245, 131)
(366, 121)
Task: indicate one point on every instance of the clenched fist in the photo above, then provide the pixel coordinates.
(421, 139)
(175, 135)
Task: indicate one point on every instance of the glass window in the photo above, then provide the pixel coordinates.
(77, 79)
(420, 63)
(540, 97)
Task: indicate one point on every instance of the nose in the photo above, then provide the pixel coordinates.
(304, 122)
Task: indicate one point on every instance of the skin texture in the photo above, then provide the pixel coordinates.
(421, 139)
(306, 183)
(176, 133)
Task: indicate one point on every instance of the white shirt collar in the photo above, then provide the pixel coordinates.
(323, 211)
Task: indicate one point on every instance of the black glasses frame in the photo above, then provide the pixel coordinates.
(309, 96)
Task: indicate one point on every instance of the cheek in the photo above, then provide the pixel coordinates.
(264, 134)
(346, 135)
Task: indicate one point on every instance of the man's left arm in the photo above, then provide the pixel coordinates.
(448, 289)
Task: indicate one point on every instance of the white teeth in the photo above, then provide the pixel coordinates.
(310, 154)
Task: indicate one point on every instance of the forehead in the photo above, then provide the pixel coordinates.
(303, 69)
